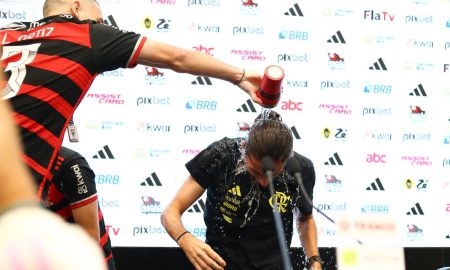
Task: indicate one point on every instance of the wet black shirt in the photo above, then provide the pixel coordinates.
(239, 213)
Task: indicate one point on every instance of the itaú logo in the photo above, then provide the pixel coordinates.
(281, 200)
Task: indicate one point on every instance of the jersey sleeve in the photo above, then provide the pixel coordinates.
(211, 163)
(78, 182)
(114, 48)
(309, 180)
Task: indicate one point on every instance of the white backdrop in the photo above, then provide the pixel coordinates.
(374, 74)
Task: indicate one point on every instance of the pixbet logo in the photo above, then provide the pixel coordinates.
(199, 128)
(152, 101)
(376, 158)
(8, 14)
(204, 3)
(377, 111)
(335, 84)
(248, 30)
(284, 57)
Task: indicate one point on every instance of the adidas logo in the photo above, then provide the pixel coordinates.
(235, 191)
(448, 236)
(377, 185)
(378, 65)
(202, 81)
(105, 153)
(197, 207)
(295, 133)
(334, 160)
(337, 38)
(151, 181)
(419, 91)
(247, 107)
(416, 210)
(294, 11)
(110, 21)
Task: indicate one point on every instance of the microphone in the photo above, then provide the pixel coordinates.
(270, 87)
(268, 165)
(293, 167)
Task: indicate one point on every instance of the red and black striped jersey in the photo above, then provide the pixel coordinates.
(73, 186)
(50, 65)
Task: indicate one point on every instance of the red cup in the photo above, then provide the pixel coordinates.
(270, 87)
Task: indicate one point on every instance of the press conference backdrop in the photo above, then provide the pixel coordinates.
(366, 93)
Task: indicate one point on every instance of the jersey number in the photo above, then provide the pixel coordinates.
(17, 68)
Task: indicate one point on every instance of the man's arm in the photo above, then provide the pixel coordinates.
(307, 230)
(182, 60)
(87, 217)
(78, 186)
(199, 253)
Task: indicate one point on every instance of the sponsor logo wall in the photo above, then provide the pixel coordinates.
(366, 94)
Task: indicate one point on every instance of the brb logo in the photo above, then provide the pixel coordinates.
(196, 104)
(375, 158)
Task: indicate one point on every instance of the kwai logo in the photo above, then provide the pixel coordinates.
(203, 28)
(153, 127)
(416, 43)
(374, 135)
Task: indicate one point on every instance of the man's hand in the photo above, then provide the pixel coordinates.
(250, 84)
(201, 254)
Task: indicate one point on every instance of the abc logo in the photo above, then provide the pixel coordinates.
(292, 105)
(375, 158)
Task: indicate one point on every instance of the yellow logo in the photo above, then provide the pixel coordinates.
(282, 201)
(235, 191)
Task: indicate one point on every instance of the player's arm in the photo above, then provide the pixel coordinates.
(16, 185)
(199, 253)
(78, 181)
(307, 231)
(182, 60)
(87, 217)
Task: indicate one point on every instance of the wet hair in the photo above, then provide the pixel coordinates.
(269, 136)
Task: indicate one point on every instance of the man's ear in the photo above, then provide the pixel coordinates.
(75, 9)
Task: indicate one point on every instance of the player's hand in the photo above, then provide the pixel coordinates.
(201, 254)
(250, 84)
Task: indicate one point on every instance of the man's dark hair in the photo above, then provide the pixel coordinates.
(269, 136)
